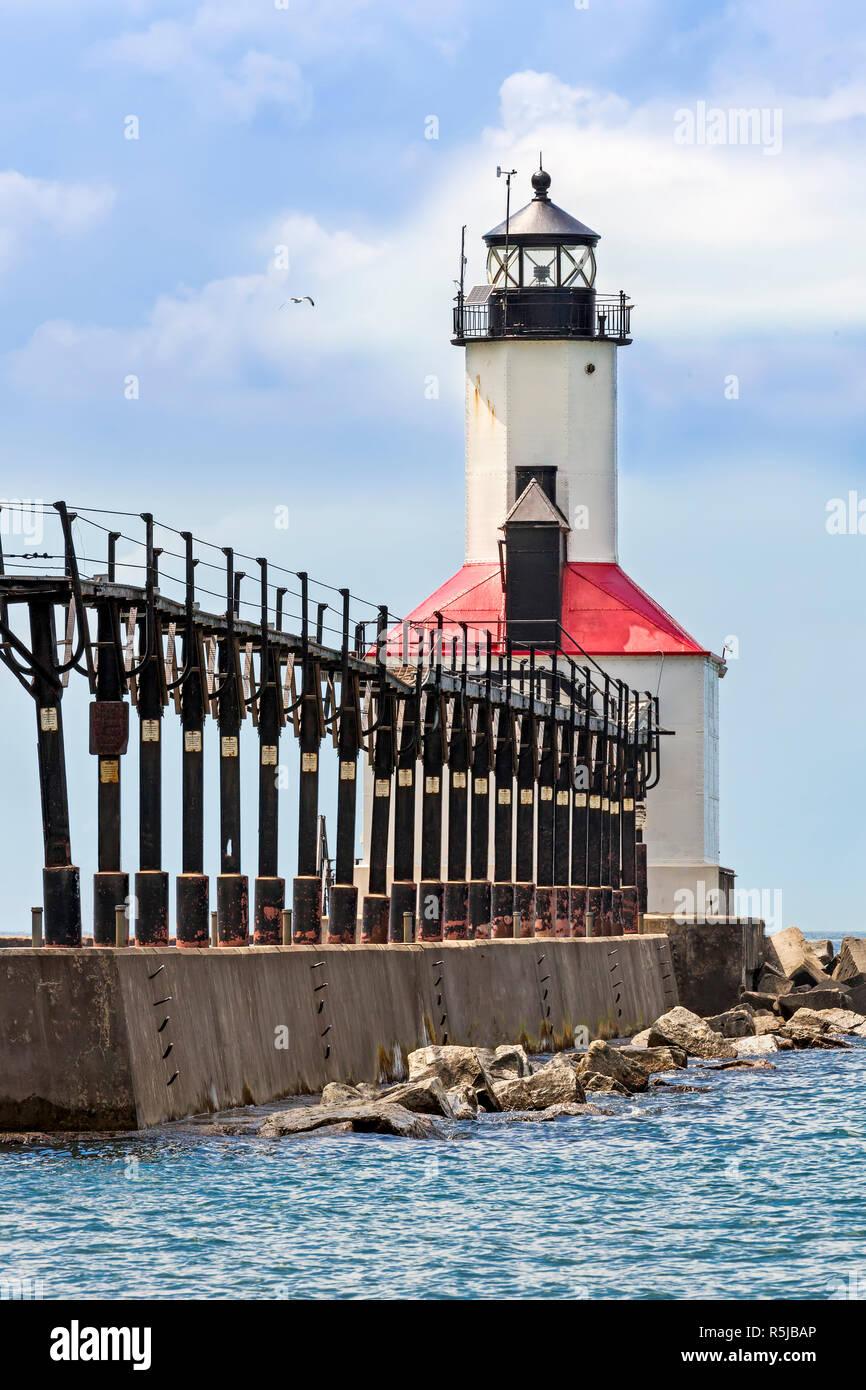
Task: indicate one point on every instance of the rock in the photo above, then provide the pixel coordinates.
(808, 1018)
(463, 1102)
(336, 1093)
(734, 1023)
(553, 1112)
(756, 1047)
(852, 960)
(757, 1064)
(600, 1059)
(818, 999)
(425, 1097)
(504, 1063)
(790, 952)
(767, 1024)
(770, 982)
(555, 1084)
(802, 1036)
(655, 1059)
(760, 1001)
(680, 1087)
(684, 1029)
(454, 1066)
(641, 1039)
(823, 951)
(364, 1119)
(594, 1081)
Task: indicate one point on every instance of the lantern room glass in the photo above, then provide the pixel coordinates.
(539, 267)
(496, 267)
(577, 267)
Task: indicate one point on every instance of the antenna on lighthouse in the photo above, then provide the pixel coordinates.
(508, 175)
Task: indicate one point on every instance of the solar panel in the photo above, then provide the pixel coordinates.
(479, 294)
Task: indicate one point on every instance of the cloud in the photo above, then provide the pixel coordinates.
(233, 57)
(236, 84)
(30, 206)
(714, 243)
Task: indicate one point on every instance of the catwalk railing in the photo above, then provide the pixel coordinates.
(548, 760)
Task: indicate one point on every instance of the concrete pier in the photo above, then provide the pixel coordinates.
(107, 1039)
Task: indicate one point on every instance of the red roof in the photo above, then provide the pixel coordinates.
(602, 609)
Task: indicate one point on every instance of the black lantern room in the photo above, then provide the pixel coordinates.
(541, 279)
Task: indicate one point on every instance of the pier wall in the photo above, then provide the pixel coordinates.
(713, 961)
(82, 1046)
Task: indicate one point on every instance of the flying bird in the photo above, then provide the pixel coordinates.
(294, 300)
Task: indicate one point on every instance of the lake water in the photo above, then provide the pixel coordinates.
(751, 1190)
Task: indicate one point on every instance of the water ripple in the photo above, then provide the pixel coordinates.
(750, 1191)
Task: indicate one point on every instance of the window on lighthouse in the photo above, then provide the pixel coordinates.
(577, 267)
(539, 267)
(502, 271)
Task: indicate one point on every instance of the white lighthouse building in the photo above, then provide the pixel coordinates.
(541, 349)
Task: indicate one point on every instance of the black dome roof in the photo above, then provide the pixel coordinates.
(541, 220)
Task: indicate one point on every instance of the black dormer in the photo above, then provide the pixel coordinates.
(535, 536)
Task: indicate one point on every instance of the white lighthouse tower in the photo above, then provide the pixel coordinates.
(541, 349)
(541, 381)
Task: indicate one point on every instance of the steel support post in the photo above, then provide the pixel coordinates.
(269, 898)
(545, 818)
(60, 877)
(455, 906)
(307, 887)
(562, 834)
(193, 924)
(375, 913)
(151, 881)
(502, 895)
(343, 906)
(594, 830)
(579, 831)
(430, 889)
(479, 851)
(404, 890)
(527, 772)
(109, 736)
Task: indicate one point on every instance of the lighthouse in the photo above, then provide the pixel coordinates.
(542, 565)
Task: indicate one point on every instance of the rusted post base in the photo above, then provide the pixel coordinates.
(342, 914)
(578, 911)
(607, 911)
(193, 923)
(307, 911)
(479, 909)
(269, 899)
(455, 911)
(561, 912)
(110, 890)
(404, 896)
(501, 910)
(233, 909)
(593, 907)
(151, 907)
(616, 912)
(630, 916)
(430, 895)
(374, 919)
(524, 903)
(543, 919)
(61, 894)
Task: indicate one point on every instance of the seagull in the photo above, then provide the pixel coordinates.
(294, 300)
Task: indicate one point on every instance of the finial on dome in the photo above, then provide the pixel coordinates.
(541, 182)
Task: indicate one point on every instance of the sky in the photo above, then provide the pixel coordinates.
(172, 173)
